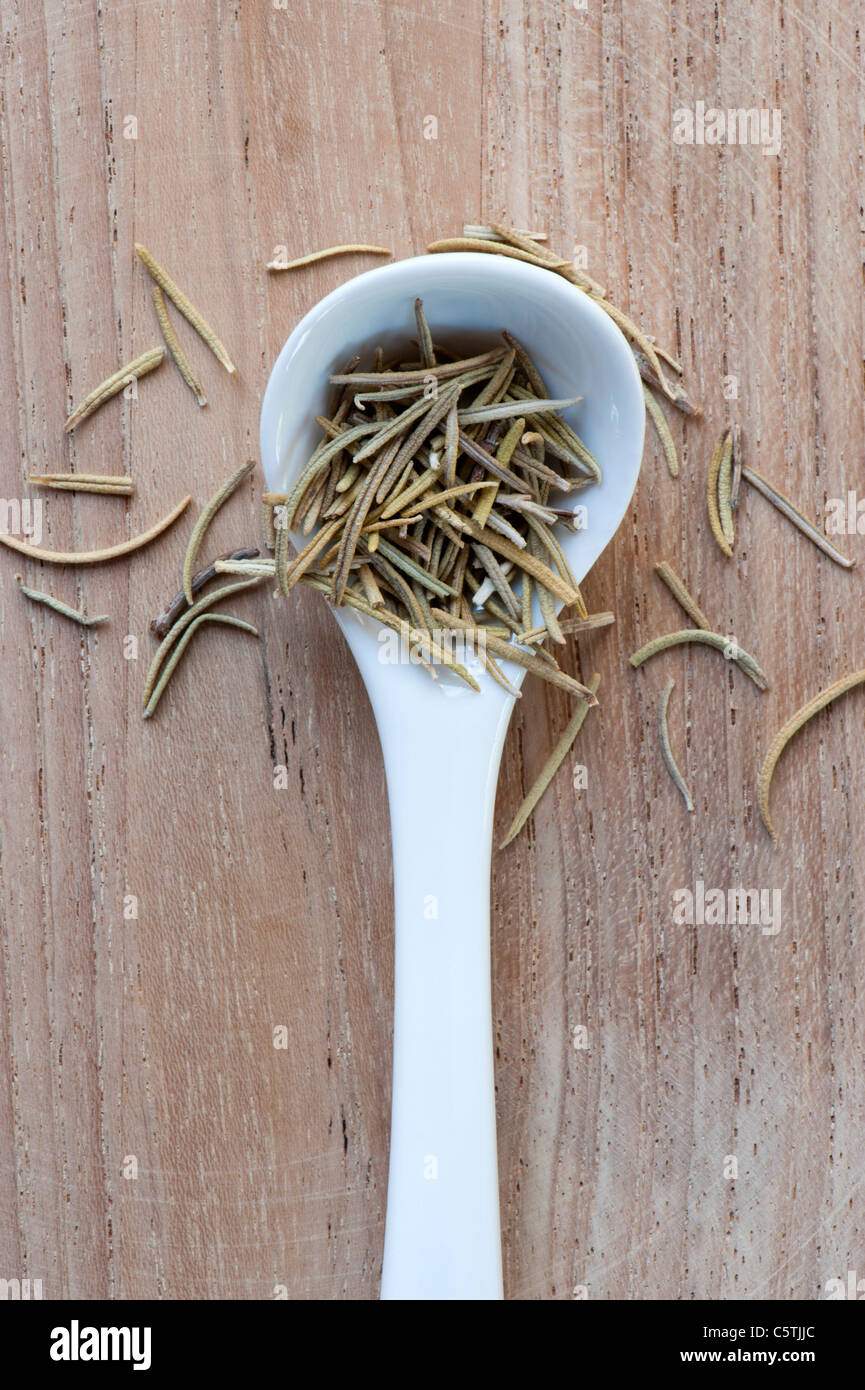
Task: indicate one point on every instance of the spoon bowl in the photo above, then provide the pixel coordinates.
(442, 741)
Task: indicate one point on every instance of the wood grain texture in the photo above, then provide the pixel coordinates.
(145, 1029)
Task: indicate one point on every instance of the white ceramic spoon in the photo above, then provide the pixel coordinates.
(442, 742)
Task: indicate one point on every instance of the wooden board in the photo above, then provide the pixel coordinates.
(166, 906)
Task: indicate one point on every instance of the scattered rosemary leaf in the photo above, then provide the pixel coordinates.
(725, 478)
(785, 506)
(677, 396)
(736, 475)
(183, 622)
(551, 766)
(96, 557)
(139, 367)
(171, 342)
(712, 495)
(711, 639)
(784, 735)
(58, 606)
(668, 358)
(681, 595)
(659, 420)
(666, 750)
(186, 307)
(84, 482)
(641, 340)
(198, 531)
(176, 655)
(350, 249)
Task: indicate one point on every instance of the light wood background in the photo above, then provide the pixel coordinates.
(151, 1036)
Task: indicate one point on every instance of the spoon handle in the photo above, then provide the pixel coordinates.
(442, 1236)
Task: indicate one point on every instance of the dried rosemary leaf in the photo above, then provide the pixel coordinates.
(199, 530)
(479, 454)
(374, 595)
(676, 396)
(497, 249)
(536, 568)
(435, 498)
(139, 367)
(303, 561)
(434, 652)
(712, 495)
(441, 373)
(354, 526)
(186, 307)
(172, 343)
(216, 596)
(551, 766)
(96, 557)
(545, 600)
(505, 410)
(642, 341)
(110, 486)
(736, 476)
(424, 337)
(528, 660)
(352, 248)
(725, 478)
(176, 655)
(263, 569)
(666, 750)
(58, 606)
(498, 580)
(788, 730)
(786, 508)
(523, 242)
(659, 420)
(681, 595)
(727, 645)
(487, 234)
(396, 557)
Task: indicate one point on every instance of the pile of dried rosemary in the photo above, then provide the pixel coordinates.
(433, 500)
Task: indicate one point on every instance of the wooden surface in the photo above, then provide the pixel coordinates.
(151, 1035)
